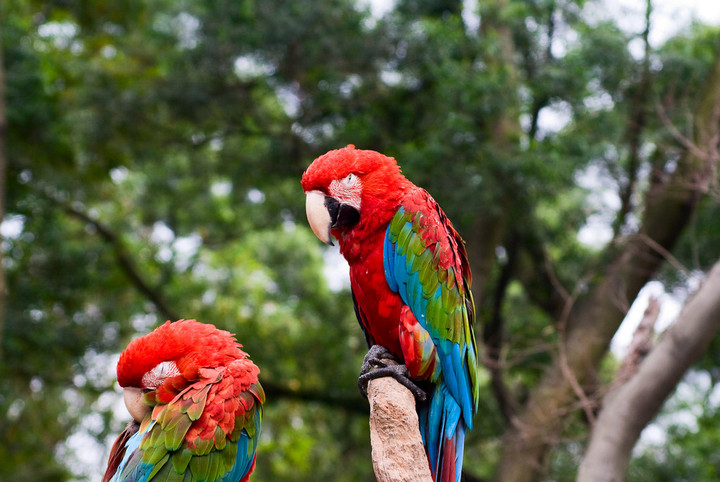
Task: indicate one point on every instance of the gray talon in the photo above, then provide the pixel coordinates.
(378, 363)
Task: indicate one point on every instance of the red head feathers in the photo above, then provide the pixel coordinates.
(337, 164)
(179, 348)
(343, 184)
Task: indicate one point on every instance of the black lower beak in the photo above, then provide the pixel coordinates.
(341, 215)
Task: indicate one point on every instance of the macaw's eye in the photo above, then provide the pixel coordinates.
(349, 179)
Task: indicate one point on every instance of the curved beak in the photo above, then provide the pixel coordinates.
(325, 213)
(318, 216)
(134, 403)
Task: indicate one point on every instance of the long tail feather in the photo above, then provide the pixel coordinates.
(443, 432)
(449, 465)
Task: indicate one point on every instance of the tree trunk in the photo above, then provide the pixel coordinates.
(630, 407)
(490, 226)
(593, 320)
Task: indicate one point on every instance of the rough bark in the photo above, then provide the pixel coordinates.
(397, 449)
(641, 344)
(630, 407)
(593, 320)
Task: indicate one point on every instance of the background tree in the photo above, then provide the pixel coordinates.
(154, 154)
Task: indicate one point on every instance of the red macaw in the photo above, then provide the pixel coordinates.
(410, 282)
(196, 405)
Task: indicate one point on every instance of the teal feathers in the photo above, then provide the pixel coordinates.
(425, 264)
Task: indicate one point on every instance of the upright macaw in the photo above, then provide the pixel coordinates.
(410, 282)
(196, 405)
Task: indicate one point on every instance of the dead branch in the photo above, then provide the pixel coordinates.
(630, 407)
(397, 449)
(683, 140)
(641, 343)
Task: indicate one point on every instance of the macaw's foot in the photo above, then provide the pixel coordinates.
(378, 363)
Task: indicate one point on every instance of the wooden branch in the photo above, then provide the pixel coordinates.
(351, 404)
(641, 343)
(493, 334)
(635, 127)
(126, 264)
(630, 407)
(538, 277)
(397, 449)
(669, 203)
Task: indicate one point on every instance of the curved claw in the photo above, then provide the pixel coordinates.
(377, 357)
(378, 363)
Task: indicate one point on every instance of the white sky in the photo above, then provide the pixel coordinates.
(668, 18)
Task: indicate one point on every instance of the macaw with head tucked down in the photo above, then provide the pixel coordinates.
(410, 281)
(196, 405)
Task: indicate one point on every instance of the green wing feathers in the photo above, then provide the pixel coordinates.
(196, 436)
(426, 264)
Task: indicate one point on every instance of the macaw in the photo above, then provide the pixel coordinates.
(410, 282)
(196, 405)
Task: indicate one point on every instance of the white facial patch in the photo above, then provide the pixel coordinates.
(155, 377)
(347, 190)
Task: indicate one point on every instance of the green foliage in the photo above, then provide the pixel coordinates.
(155, 151)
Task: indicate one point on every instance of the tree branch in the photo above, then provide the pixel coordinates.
(493, 334)
(539, 279)
(635, 126)
(541, 100)
(641, 343)
(595, 318)
(630, 407)
(127, 265)
(352, 404)
(397, 449)
(124, 260)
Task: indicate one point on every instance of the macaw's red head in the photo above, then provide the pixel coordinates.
(173, 355)
(349, 187)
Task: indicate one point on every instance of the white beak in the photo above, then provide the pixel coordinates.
(318, 216)
(134, 402)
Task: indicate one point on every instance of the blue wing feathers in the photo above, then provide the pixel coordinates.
(131, 467)
(246, 449)
(454, 398)
(389, 265)
(242, 461)
(439, 422)
(406, 282)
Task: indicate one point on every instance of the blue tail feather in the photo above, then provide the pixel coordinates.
(441, 423)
